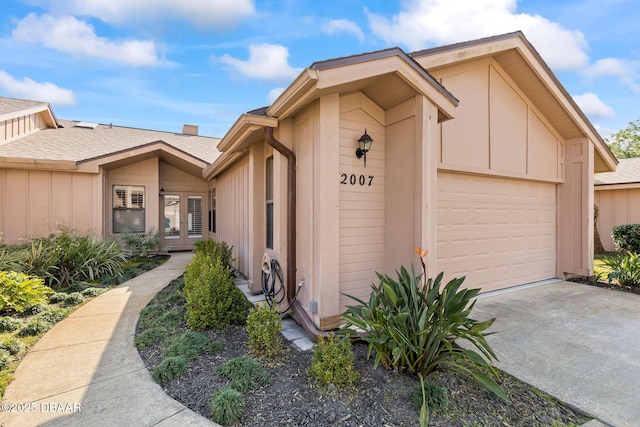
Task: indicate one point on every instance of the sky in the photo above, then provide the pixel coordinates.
(158, 64)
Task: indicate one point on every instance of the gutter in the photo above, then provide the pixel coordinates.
(298, 312)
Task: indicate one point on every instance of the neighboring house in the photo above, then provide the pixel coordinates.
(617, 195)
(101, 179)
(479, 155)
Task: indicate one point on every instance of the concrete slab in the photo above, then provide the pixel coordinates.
(576, 342)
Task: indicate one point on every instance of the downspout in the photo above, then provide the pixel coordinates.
(301, 315)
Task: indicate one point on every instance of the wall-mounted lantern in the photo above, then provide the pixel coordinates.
(364, 145)
(161, 192)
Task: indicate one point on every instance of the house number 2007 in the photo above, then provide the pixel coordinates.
(354, 179)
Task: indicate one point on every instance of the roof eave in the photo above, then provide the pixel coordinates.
(242, 129)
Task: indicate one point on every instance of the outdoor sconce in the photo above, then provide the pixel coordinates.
(161, 192)
(364, 145)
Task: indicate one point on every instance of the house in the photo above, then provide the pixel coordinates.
(473, 151)
(479, 155)
(617, 195)
(100, 179)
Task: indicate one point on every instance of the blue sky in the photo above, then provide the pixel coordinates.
(158, 64)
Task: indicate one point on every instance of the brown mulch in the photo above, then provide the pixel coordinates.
(380, 397)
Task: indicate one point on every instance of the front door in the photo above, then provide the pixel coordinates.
(182, 219)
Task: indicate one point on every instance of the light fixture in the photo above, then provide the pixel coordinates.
(364, 145)
(161, 191)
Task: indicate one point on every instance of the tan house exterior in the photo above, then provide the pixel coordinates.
(99, 179)
(479, 155)
(617, 195)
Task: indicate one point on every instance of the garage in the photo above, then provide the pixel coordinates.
(498, 232)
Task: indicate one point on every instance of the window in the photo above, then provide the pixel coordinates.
(128, 209)
(269, 200)
(212, 210)
(194, 216)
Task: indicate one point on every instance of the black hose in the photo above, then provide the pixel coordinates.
(273, 286)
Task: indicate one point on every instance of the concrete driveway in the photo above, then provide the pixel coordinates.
(576, 342)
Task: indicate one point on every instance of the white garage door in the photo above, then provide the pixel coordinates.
(497, 232)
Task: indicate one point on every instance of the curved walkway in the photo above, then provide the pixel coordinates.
(86, 371)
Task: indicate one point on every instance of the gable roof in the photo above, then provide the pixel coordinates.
(627, 172)
(11, 108)
(71, 145)
(524, 65)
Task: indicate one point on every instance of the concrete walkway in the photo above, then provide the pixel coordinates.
(86, 371)
(577, 342)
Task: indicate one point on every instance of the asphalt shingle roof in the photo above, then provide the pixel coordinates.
(628, 171)
(9, 105)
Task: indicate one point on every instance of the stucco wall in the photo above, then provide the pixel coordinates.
(616, 207)
(37, 203)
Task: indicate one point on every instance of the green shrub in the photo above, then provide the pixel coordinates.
(19, 290)
(624, 269)
(148, 337)
(412, 326)
(216, 250)
(226, 406)
(332, 362)
(93, 292)
(33, 309)
(264, 324)
(245, 373)
(53, 315)
(169, 368)
(34, 327)
(142, 244)
(190, 345)
(73, 298)
(435, 397)
(5, 358)
(212, 300)
(12, 345)
(627, 237)
(57, 297)
(9, 324)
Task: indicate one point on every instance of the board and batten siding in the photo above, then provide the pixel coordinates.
(362, 207)
(616, 207)
(37, 203)
(232, 208)
(19, 126)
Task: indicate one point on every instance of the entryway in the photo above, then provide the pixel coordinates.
(183, 214)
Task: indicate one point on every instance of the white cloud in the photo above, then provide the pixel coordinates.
(36, 91)
(70, 35)
(625, 71)
(425, 23)
(209, 14)
(266, 62)
(593, 106)
(343, 26)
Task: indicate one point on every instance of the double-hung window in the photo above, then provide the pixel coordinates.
(128, 209)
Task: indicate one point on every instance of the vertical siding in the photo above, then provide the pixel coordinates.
(362, 207)
(232, 213)
(616, 207)
(18, 126)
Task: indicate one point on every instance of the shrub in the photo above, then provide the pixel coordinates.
(226, 406)
(624, 269)
(57, 297)
(93, 292)
(5, 358)
(32, 309)
(19, 290)
(264, 324)
(332, 362)
(190, 345)
(148, 337)
(12, 345)
(53, 315)
(245, 373)
(73, 298)
(627, 237)
(169, 368)
(9, 324)
(413, 325)
(142, 244)
(212, 300)
(216, 250)
(34, 327)
(435, 397)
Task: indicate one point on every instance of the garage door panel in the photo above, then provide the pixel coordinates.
(497, 232)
